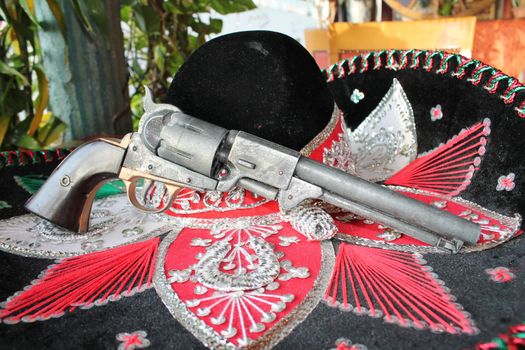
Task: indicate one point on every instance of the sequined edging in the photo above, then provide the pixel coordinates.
(320, 138)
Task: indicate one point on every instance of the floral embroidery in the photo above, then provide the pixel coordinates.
(339, 155)
(254, 307)
(346, 344)
(500, 274)
(436, 113)
(357, 96)
(135, 340)
(506, 182)
(286, 241)
(389, 235)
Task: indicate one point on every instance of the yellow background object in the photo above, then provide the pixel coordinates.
(342, 40)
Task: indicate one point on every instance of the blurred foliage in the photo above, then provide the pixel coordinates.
(24, 93)
(159, 36)
(446, 7)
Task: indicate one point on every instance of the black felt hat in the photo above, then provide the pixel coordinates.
(261, 82)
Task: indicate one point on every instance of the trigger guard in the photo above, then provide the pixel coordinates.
(132, 197)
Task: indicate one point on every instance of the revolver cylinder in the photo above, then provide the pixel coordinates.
(184, 140)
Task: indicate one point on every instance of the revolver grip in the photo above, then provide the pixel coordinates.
(66, 197)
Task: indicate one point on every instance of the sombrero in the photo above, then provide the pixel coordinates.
(235, 271)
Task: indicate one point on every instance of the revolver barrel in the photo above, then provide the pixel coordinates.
(386, 206)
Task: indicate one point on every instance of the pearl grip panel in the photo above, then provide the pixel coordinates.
(66, 197)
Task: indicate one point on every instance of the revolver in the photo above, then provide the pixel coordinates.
(181, 151)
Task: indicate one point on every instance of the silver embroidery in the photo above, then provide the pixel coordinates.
(271, 336)
(440, 204)
(389, 235)
(339, 155)
(200, 242)
(235, 305)
(386, 141)
(114, 221)
(179, 276)
(213, 201)
(357, 96)
(286, 241)
(266, 270)
(292, 271)
(230, 227)
(311, 221)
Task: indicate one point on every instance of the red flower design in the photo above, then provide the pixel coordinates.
(500, 274)
(135, 340)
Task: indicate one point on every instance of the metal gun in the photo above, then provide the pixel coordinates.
(181, 151)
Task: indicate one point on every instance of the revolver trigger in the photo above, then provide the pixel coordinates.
(172, 193)
(145, 203)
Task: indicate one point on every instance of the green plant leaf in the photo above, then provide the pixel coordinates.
(215, 25)
(28, 8)
(5, 69)
(82, 18)
(97, 12)
(4, 126)
(230, 6)
(126, 13)
(147, 19)
(159, 53)
(59, 16)
(173, 7)
(26, 141)
(41, 102)
(57, 128)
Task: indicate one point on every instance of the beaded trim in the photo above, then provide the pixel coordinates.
(24, 157)
(320, 138)
(437, 62)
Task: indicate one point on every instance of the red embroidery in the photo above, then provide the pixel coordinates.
(85, 281)
(23, 157)
(514, 339)
(241, 316)
(395, 286)
(346, 344)
(448, 169)
(506, 182)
